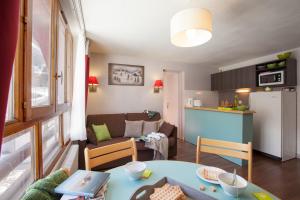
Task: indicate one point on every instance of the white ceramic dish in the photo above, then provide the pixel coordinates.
(200, 170)
(135, 169)
(225, 180)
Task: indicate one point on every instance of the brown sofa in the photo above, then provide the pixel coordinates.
(116, 126)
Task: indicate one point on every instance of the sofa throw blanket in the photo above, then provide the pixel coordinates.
(159, 143)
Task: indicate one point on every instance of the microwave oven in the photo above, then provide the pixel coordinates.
(271, 78)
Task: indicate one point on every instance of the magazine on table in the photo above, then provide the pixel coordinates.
(83, 183)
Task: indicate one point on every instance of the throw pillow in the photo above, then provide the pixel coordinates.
(91, 136)
(133, 128)
(102, 132)
(166, 128)
(150, 127)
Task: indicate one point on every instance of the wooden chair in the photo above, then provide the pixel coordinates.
(105, 154)
(232, 149)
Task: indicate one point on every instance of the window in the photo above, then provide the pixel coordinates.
(41, 53)
(50, 141)
(16, 164)
(66, 124)
(69, 59)
(10, 103)
(61, 61)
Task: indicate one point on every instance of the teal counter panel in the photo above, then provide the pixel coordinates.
(218, 125)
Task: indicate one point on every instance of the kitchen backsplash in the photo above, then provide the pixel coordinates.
(229, 96)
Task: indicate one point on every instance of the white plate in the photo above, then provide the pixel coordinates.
(199, 173)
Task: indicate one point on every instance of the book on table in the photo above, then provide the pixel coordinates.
(83, 183)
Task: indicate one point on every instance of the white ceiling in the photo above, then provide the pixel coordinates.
(242, 29)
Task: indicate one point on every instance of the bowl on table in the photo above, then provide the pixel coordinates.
(226, 180)
(135, 169)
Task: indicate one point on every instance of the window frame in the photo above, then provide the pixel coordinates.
(33, 158)
(25, 116)
(38, 112)
(64, 106)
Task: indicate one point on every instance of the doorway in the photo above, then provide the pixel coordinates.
(173, 99)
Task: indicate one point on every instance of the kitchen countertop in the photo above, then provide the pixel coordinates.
(215, 109)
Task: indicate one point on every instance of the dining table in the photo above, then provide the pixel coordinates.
(120, 187)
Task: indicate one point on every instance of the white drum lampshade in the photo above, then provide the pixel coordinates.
(191, 27)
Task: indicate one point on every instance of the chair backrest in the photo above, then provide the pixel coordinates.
(105, 154)
(225, 148)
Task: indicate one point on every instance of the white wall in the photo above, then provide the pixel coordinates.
(296, 55)
(117, 99)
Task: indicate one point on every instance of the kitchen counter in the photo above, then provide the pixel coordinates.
(215, 109)
(208, 122)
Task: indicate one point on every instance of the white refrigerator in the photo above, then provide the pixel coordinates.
(275, 123)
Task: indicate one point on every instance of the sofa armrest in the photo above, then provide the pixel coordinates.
(173, 149)
(82, 145)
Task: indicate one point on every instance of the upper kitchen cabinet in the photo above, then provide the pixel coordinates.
(216, 81)
(246, 77)
(233, 79)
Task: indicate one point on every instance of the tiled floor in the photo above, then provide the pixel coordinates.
(280, 178)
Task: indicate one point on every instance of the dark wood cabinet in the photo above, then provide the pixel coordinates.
(246, 77)
(216, 81)
(291, 72)
(234, 79)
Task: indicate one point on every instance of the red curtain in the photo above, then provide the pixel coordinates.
(87, 72)
(9, 19)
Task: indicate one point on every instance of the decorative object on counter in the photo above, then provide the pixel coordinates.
(197, 103)
(158, 85)
(281, 64)
(271, 65)
(190, 102)
(242, 108)
(285, 55)
(236, 100)
(121, 74)
(268, 89)
(93, 83)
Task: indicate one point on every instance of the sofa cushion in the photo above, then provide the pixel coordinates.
(91, 137)
(140, 146)
(149, 127)
(101, 132)
(115, 123)
(141, 116)
(133, 128)
(166, 128)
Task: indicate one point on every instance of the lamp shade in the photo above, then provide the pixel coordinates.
(158, 84)
(93, 80)
(191, 27)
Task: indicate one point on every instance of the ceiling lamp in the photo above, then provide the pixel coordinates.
(191, 27)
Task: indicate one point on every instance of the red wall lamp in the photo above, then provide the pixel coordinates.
(158, 84)
(93, 83)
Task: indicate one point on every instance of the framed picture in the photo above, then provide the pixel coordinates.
(121, 74)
